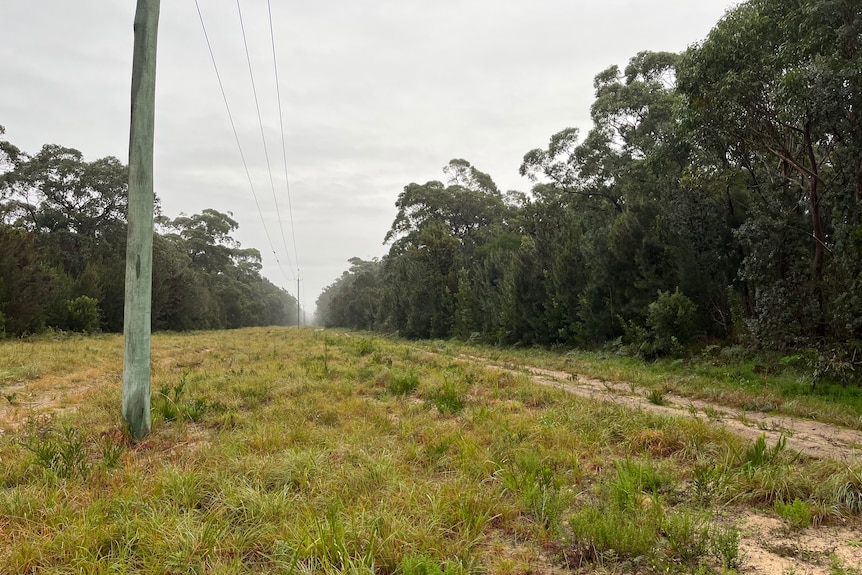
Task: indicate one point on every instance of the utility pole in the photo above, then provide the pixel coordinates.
(298, 310)
(139, 246)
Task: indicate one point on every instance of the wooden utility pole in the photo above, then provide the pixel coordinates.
(139, 247)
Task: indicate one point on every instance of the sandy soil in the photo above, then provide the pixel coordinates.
(49, 394)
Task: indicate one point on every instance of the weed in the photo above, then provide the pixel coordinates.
(196, 408)
(364, 346)
(448, 399)
(633, 481)
(836, 567)
(608, 533)
(724, 543)
(706, 480)
(532, 480)
(797, 514)
(656, 397)
(419, 565)
(169, 403)
(687, 536)
(62, 451)
(759, 455)
(111, 453)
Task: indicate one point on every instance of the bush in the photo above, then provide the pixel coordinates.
(672, 321)
(83, 314)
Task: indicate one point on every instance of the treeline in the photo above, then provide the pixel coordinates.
(63, 248)
(715, 196)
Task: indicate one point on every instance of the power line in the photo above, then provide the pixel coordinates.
(236, 137)
(262, 134)
(283, 146)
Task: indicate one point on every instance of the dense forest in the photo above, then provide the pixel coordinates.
(715, 198)
(63, 249)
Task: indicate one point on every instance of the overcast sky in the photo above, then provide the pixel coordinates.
(375, 94)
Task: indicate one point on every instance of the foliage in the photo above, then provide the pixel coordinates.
(671, 319)
(83, 314)
(62, 254)
(798, 513)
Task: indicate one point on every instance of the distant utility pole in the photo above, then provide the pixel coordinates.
(139, 247)
(298, 309)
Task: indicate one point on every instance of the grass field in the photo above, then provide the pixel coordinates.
(285, 450)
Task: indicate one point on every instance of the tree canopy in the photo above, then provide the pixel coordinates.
(716, 196)
(63, 244)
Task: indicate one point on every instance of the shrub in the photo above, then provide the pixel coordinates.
(672, 319)
(83, 314)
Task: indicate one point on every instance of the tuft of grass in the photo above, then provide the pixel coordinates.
(760, 455)
(62, 450)
(448, 398)
(656, 397)
(402, 382)
(532, 480)
(637, 484)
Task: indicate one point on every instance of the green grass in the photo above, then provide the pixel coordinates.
(298, 451)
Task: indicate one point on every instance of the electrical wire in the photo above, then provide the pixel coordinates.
(283, 146)
(262, 133)
(238, 144)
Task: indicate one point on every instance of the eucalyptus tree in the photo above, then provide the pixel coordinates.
(774, 93)
(76, 212)
(617, 208)
(206, 279)
(439, 230)
(353, 300)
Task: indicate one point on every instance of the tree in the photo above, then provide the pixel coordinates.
(774, 91)
(353, 300)
(25, 283)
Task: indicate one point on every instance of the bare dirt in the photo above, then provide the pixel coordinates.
(56, 393)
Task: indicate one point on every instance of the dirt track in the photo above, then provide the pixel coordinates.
(812, 438)
(766, 545)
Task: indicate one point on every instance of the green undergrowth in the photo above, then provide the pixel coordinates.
(303, 451)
